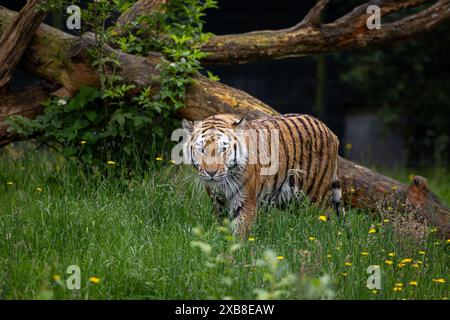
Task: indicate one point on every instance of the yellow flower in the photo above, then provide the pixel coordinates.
(401, 265)
(348, 264)
(364, 253)
(448, 241)
(374, 291)
(38, 189)
(94, 280)
(406, 260)
(323, 218)
(9, 183)
(413, 283)
(159, 158)
(398, 289)
(56, 277)
(311, 238)
(329, 256)
(394, 188)
(391, 254)
(114, 33)
(372, 230)
(344, 274)
(111, 163)
(251, 239)
(422, 252)
(348, 146)
(390, 208)
(440, 280)
(280, 258)
(172, 161)
(386, 220)
(352, 190)
(83, 141)
(411, 177)
(399, 284)
(433, 229)
(416, 265)
(388, 262)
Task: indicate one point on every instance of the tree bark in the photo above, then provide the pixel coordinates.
(310, 37)
(62, 59)
(27, 103)
(16, 39)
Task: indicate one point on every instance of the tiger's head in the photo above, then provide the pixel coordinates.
(215, 146)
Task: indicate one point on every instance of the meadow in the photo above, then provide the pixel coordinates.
(151, 234)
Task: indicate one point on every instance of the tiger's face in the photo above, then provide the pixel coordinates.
(214, 147)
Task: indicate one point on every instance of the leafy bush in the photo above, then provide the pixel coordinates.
(98, 124)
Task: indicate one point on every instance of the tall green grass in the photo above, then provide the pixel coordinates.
(151, 234)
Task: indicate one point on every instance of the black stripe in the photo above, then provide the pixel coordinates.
(321, 161)
(309, 147)
(300, 137)
(310, 187)
(325, 165)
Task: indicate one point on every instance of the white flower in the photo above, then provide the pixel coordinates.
(62, 102)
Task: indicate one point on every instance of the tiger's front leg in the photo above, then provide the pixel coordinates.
(244, 214)
(220, 207)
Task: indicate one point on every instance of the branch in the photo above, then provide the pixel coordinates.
(309, 37)
(16, 39)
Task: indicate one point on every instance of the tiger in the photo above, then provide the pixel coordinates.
(226, 150)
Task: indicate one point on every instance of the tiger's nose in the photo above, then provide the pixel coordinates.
(211, 173)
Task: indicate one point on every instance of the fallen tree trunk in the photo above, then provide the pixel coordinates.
(69, 66)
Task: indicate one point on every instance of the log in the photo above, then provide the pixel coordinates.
(70, 67)
(16, 39)
(27, 103)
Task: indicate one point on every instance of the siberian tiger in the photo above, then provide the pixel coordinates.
(272, 160)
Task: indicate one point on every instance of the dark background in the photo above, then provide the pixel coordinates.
(323, 85)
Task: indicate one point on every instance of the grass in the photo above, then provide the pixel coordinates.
(153, 236)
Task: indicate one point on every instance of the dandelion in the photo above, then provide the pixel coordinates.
(398, 289)
(280, 258)
(372, 230)
(172, 161)
(9, 183)
(401, 265)
(323, 218)
(416, 265)
(364, 253)
(406, 260)
(344, 274)
(391, 254)
(110, 162)
(448, 241)
(422, 252)
(159, 158)
(388, 262)
(399, 284)
(374, 291)
(83, 142)
(433, 229)
(413, 283)
(386, 220)
(94, 280)
(440, 280)
(56, 277)
(348, 264)
(311, 238)
(251, 239)
(38, 189)
(329, 256)
(390, 208)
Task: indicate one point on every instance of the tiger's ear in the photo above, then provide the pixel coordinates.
(240, 122)
(188, 125)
